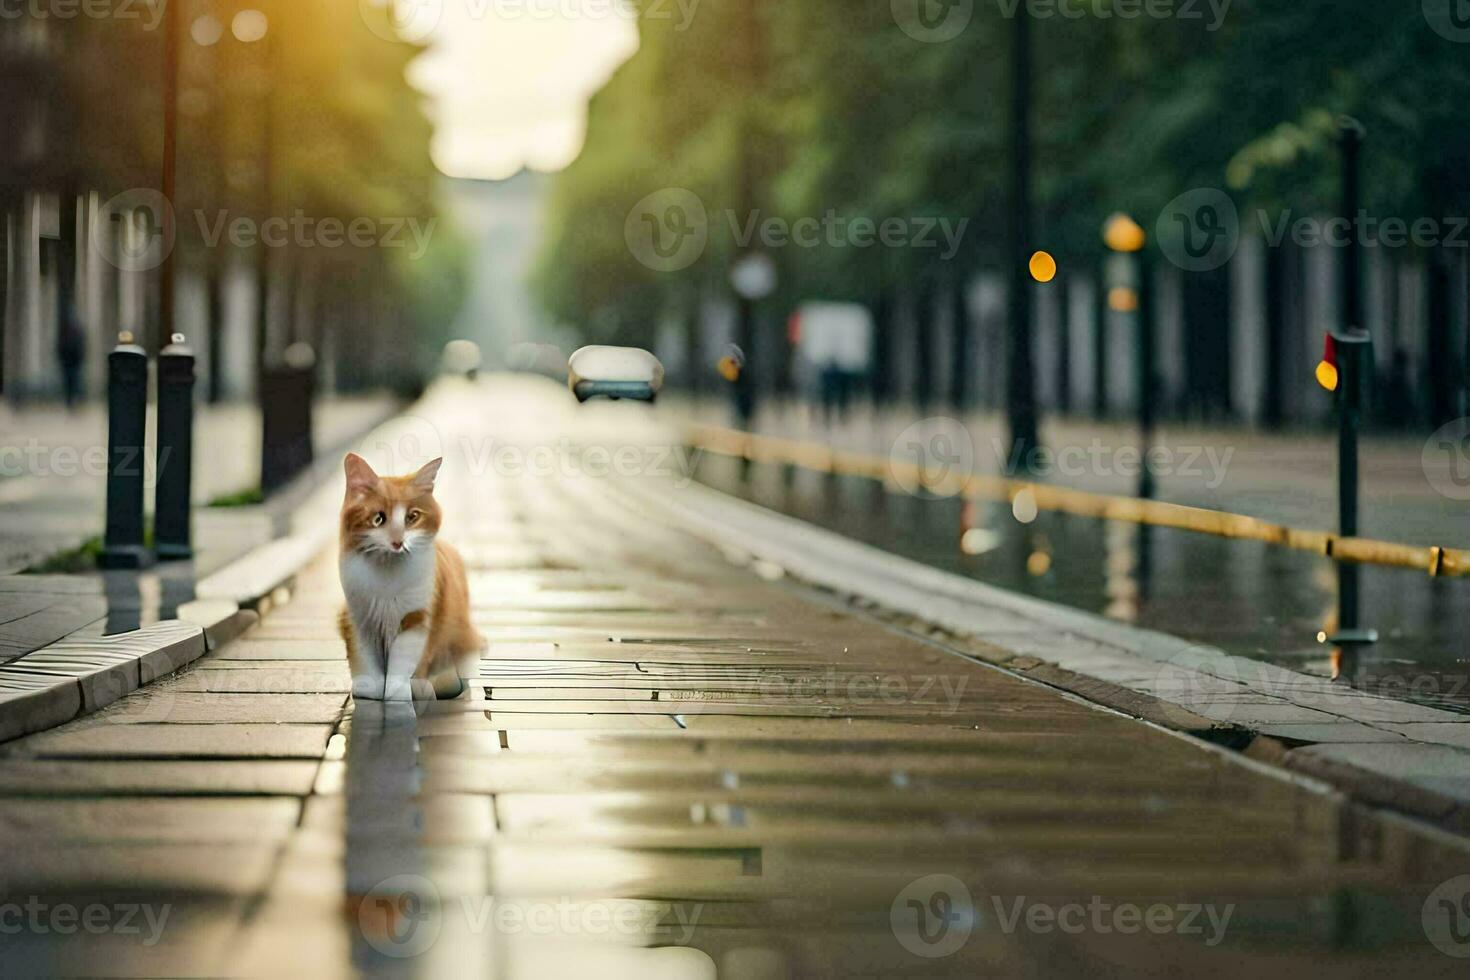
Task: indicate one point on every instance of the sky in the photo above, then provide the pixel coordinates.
(510, 79)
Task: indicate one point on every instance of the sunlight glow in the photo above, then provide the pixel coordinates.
(510, 82)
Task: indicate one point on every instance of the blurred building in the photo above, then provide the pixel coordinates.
(501, 222)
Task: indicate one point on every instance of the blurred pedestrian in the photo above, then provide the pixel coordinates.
(71, 350)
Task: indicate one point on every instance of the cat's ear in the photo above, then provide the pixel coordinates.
(360, 476)
(424, 478)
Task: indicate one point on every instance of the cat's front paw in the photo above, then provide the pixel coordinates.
(398, 689)
(368, 688)
(408, 689)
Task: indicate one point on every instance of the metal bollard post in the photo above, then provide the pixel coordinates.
(1352, 350)
(1352, 344)
(171, 497)
(127, 423)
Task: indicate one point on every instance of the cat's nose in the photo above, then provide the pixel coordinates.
(397, 545)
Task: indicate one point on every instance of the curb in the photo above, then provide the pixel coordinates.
(87, 670)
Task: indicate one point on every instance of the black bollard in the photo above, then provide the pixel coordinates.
(127, 423)
(286, 393)
(174, 467)
(1354, 349)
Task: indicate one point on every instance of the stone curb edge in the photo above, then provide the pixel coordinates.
(86, 670)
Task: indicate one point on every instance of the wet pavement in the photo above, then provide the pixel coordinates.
(676, 763)
(1245, 597)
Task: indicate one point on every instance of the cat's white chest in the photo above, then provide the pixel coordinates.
(380, 593)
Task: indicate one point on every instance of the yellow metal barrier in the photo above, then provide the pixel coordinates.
(1433, 560)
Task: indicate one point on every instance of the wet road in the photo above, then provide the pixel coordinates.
(676, 764)
(1245, 597)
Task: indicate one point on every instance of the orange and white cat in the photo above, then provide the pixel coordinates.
(407, 622)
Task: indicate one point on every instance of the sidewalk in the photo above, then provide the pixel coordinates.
(1251, 599)
(52, 499)
(678, 760)
(53, 467)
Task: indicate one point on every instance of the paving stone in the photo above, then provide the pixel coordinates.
(1454, 733)
(216, 777)
(260, 677)
(219, 868)
(154, 740)
(1438, 768)
(36, 822)
(249, 649)
(1341, 731)
(169, 702)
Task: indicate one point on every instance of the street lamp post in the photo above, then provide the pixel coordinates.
(167, 177)
(1020, 383)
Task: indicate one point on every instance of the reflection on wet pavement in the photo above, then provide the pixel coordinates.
(1245, 597)
(674, 766)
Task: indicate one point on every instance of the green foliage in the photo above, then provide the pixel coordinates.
(827, 105)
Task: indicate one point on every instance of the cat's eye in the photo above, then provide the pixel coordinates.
(379, 518)
(413, 516)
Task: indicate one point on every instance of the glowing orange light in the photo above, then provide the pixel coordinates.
(1122, 299)
(1327, 375)
(729, 370)
(1043, 267)
(1122, 234)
